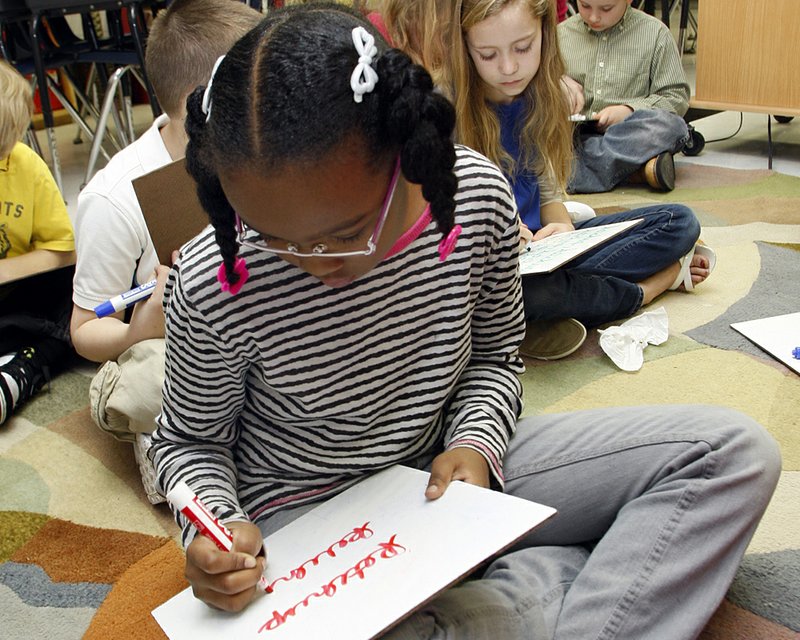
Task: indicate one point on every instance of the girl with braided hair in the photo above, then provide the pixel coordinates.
(357, 304)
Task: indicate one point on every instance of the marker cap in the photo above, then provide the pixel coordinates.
(180, 496)
(104, 309)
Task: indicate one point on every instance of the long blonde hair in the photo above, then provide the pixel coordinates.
(419, 28)
(546, 135)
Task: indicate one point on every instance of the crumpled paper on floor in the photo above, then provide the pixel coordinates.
(625, 343)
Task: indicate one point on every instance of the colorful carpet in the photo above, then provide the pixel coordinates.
(84, 555)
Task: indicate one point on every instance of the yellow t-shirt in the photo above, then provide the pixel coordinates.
(32, 211)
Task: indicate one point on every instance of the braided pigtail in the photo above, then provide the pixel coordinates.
(421, 122)
(212, 197)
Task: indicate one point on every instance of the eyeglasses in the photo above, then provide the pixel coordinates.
(321, 249)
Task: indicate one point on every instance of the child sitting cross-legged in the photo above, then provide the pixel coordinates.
(114, 247)
(36, 254)
(505, 69)
(357, 304)
(624, 72)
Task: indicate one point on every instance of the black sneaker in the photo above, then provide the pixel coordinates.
(20, 378)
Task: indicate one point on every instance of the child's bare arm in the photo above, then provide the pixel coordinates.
(33, 262)
(101, 339)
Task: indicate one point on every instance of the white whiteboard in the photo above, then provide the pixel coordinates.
(360, 562)
(547, 254)
(778, 335)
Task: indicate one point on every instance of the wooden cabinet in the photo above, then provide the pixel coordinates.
(748, 56)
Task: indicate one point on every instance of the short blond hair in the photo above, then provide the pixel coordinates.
(16, 107)
(184, 42)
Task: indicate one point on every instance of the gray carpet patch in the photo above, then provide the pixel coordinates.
(767, 584)
(775, 292)
(34, 587)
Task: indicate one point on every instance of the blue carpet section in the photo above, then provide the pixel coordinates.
(769, 584)
(772, 294)
(34, 587)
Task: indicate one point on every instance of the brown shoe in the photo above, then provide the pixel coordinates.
(552, 339)
(659, 172)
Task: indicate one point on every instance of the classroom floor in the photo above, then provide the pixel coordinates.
(746, 148)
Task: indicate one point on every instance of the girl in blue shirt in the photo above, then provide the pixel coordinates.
(506, 71)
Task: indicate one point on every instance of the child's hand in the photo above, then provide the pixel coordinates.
(525, 236)
(573, 92)
(227, 580)
(552, 229)
(147, 320)
(612, 115)
(456, 464)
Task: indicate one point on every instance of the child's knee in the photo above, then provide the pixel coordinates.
(751, 450)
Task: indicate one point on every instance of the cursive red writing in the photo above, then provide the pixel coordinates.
(298, 573)
(385, 551)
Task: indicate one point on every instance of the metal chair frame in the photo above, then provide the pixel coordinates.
(91, 50)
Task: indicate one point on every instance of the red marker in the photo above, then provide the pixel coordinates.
(186, 501)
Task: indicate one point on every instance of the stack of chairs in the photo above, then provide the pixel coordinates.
(37, 39)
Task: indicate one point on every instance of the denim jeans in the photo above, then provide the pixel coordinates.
(603, 160)
(656, 506)
(601, 285)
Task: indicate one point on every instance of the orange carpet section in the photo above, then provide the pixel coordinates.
(150, 582)
(137, 572)
(71, 552)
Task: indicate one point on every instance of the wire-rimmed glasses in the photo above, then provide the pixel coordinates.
(320, 249)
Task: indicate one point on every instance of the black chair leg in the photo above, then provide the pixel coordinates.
(136, 32)
(44, 99)
(684, 23)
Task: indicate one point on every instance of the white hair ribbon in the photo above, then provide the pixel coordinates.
(364, 77)
(206, 106)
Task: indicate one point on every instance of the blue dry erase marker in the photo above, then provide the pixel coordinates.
(124, 300)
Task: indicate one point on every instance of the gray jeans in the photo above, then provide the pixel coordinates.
(602, 161)
(656, 506)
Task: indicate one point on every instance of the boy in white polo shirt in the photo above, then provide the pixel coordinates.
(115, 251)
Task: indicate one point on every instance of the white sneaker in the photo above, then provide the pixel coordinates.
(578, 212)
(146, 469)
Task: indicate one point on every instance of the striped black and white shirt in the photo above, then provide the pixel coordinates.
(290, 391)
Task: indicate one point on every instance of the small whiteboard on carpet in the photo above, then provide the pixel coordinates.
(360, 562)
(546, 255)
(777, 335)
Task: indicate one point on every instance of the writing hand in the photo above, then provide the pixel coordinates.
(552, 229)
(147, 320)
(573, 92)
(525, 236)
(612, 115)
(456, 464)
(227, 580)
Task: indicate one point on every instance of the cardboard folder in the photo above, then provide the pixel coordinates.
(171, 210)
